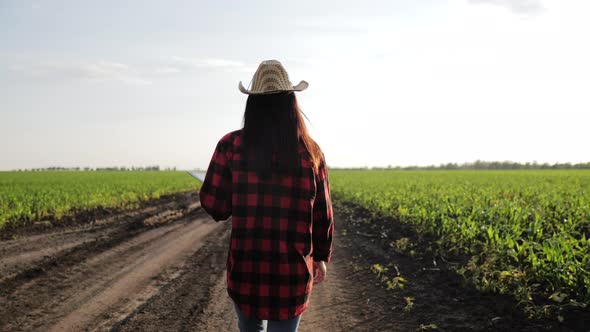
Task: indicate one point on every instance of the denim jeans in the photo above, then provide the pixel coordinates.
(257, 325)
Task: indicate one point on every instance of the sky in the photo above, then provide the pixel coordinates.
(138, 83)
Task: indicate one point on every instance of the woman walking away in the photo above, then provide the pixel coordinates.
(272, 179)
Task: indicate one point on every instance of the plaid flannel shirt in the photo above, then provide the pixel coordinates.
(280, 226)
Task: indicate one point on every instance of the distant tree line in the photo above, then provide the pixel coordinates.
(480, 164)
(100, 169)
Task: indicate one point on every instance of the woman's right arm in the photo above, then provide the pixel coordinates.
(215, 194)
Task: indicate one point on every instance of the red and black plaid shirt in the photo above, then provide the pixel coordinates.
(280, 225)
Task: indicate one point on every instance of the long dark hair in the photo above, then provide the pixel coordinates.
(274, 125)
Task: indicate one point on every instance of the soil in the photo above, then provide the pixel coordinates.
(161, 267)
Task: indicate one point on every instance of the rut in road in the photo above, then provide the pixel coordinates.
(100, 282)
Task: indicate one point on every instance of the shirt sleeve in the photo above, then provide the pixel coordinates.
(323, 217)
(216, 193)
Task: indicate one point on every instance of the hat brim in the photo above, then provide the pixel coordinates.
(299, 87)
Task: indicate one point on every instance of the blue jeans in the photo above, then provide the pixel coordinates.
(257, 325)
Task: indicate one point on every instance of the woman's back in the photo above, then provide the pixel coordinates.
(269, 266)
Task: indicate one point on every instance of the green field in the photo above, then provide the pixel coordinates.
(31, 196)
(526, 232)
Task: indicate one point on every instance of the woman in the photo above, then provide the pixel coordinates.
(272, 179)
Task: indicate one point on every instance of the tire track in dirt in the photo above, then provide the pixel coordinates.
(97, 284)
(194, 301)
(31, 250)
(31, 254)
(159, 251)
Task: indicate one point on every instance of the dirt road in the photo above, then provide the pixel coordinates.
(159, 268)
(162, 268)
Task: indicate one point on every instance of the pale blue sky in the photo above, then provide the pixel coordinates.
(121, 83)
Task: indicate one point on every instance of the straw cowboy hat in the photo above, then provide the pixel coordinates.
(271, 77)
